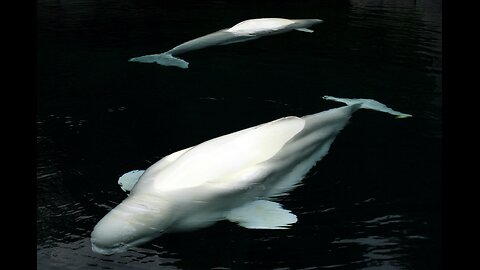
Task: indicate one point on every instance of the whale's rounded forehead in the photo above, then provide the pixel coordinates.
(111, 231)
(137, 219)
(256, 25)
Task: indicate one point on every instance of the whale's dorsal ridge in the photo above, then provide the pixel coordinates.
(217, 160)
(256, 25)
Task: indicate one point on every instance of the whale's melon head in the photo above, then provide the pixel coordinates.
(137, 220)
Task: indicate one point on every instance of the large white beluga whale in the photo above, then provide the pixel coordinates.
(243, 31)
(234, 177)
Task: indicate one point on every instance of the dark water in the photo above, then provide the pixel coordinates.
(374, 202)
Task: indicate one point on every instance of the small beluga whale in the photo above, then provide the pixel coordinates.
(243, 31)
(235, 177)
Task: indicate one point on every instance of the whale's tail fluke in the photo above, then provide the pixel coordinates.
(164, 59)
(369, 104)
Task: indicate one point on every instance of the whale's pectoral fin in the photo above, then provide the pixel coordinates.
(164, 59)
(304, 30)
(262, 214)
(128, 180)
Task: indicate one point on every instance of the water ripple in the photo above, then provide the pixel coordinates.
(78, 255)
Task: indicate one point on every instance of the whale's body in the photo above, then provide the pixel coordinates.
(231, 177)
(243, 31)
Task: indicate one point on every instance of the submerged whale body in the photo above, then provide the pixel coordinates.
(234, 177)
(243, 31)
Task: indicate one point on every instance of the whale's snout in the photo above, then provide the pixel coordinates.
(131, 223)
(112, 234)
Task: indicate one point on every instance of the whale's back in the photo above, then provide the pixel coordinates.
(215, 162)
(260, 25)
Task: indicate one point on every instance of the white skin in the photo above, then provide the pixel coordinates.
(243, 31)
(197, 186)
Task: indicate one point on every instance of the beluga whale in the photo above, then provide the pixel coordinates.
(243, 31)
(237, 177)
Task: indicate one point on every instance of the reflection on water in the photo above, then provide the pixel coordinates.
(99, 117)
(382, 252)
(78, 255)
(414, 25)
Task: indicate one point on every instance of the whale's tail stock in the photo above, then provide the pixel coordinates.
(369, 104)
(164, 59)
